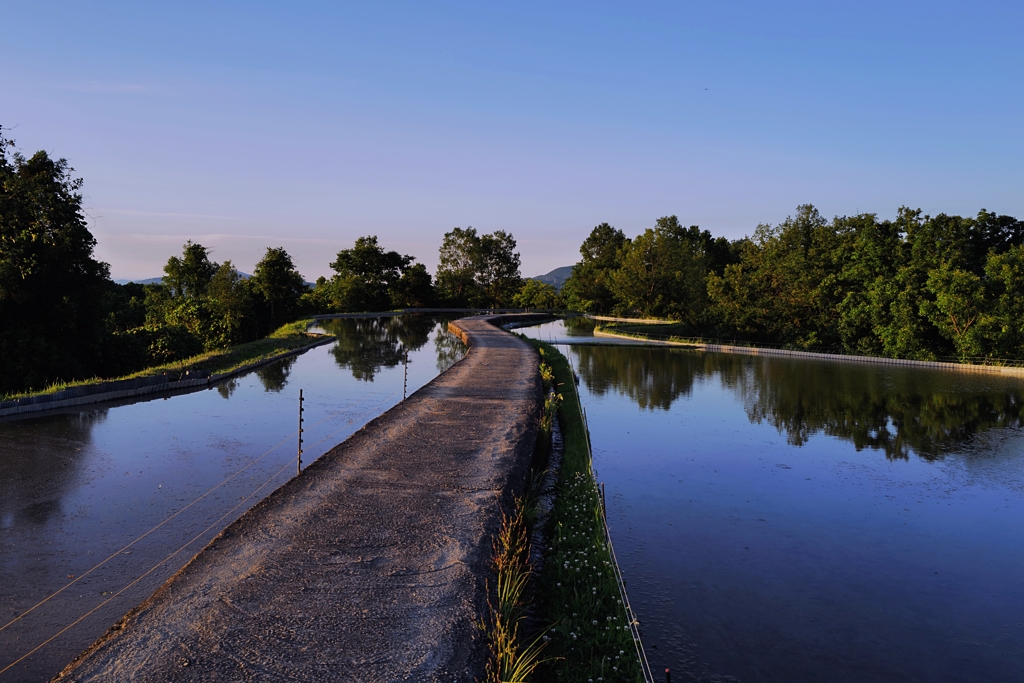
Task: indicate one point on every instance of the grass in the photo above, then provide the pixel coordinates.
(513, 657)
(590, 639)
(286, 338)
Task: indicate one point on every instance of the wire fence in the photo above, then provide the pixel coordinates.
(376, 408)
(634, 623)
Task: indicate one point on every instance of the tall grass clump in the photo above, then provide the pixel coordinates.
(513, 655)
(590, 638)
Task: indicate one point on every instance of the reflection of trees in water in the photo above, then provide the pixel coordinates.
(896, 410)
(274, 377)
(365, 345)
(40, 461)
(225, 389)
(579, 326)
(648, 376)
(450, 348)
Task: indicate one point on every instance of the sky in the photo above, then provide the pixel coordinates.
(306, 125)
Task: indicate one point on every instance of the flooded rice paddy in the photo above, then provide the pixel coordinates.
(792, 520)
(139, 487)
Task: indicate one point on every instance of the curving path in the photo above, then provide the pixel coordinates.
(370, 566)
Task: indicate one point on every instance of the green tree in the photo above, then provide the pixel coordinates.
(498, 274)
(587, 289)
(662, 273)
(277, 282)
(231, 298)
(457, 267)
(478, 270)
(366, 277)
(189, 276)
(52, 290)
(536, 294)
(958, 307)
(414, 289)
(1005, 273)
(774, 293)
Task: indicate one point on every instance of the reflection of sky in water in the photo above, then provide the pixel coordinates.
(76, 486)
(784, 520)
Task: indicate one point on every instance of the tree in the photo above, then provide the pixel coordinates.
(276, 280)
(498, 271)
(662, 273)
(775, 292)
(1005, 273)
(457, 267)
(536, 294)
(958, 307)
(588, 287)
(478, 270)
(52, 290)
(414, 289)
(232, 300)
(366, 277)
(190, 275)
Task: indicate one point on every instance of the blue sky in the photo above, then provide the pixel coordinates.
(306, 125)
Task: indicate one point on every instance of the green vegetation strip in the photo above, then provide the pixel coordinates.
(285, 339)
(591, 637)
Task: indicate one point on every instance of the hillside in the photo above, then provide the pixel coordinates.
(556, 277)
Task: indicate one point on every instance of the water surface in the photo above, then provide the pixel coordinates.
(77, 486)
(792, 520)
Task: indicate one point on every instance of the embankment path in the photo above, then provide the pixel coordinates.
(370, 565)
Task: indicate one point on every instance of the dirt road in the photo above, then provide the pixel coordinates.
(370, 566)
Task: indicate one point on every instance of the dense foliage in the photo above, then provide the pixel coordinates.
(62, 319)
(914, 287)
(52, 291)
(478, 270)
(367, 278)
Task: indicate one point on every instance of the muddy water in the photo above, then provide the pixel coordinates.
(77, 487)
(790, 520)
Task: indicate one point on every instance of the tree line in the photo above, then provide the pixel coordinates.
(62, 318)
(917, 286)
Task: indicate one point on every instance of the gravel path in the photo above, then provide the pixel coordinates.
(371, 565)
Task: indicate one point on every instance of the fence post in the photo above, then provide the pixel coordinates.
(298, 462)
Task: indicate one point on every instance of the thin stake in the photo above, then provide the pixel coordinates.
(405, 377)
(298, 463)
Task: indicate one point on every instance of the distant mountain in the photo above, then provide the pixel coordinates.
(158, 280)
(149, 281)
(556, 277)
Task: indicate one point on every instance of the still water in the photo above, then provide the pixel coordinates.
(793, 520)
(77, 487)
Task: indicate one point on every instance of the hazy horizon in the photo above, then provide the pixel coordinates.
(248, 126)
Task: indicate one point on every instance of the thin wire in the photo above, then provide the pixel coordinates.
(139, 538)
(147, 533)
(634, 628)
(154, 568)
(382, 402)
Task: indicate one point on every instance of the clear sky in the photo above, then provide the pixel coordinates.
(306, 125)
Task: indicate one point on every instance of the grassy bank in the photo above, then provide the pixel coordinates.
(286, 338)
(578, 595)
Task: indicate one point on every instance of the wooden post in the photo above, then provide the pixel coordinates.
(298, 464)
(405, 376)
